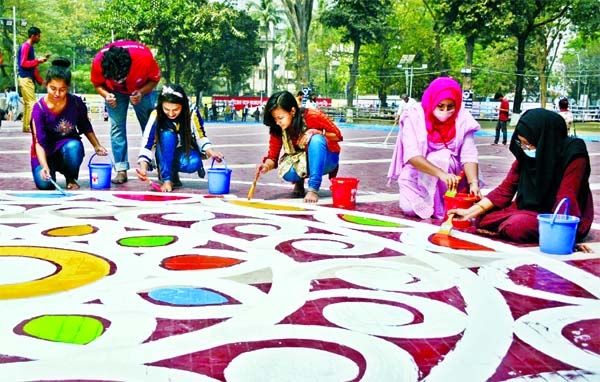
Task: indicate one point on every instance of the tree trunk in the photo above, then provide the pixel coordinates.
(353, 75)
(521, 40)
(469, 48)
(299, 14)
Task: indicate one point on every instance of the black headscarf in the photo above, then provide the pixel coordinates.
(540, 178)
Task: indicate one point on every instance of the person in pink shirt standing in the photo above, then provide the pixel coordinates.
(125, 72)
(435, 143)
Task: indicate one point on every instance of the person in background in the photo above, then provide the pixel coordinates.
(436, 142)
(169, 133)
(28, 73)
(563, 107)
(58, 119)
(503, 111)
(306, 130)
(548, 167)
(311, 103)
(125, 72)
(256, 114)
(404, 103)
(300, 97)
(13, 103)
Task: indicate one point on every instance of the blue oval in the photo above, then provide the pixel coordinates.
(187, 296)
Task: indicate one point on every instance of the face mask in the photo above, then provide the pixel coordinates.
(530, 153)
(442, 116)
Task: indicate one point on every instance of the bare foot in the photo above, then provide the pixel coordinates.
(311, 197)
(72, 185)
(167, 186)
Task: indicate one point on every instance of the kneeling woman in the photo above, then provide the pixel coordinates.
(169, 131)
(57, 121)
(305, 134)
(549, 166)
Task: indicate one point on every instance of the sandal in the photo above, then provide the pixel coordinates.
(299, 191)
(120, 178)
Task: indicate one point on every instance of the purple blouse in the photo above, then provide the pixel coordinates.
(52, 130)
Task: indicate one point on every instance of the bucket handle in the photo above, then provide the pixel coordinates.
(92, 157)
(213, 163)
(564, 201)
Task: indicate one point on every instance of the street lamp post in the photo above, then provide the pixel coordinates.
(13, 22)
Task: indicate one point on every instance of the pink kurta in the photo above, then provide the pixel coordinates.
(422, 194)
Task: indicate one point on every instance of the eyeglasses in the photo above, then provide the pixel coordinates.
(524, 146)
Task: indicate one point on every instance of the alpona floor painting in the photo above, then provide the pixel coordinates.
(142, 286)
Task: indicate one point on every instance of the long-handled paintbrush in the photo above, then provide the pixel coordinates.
(144, 178)
(58, 188)
(251, 191)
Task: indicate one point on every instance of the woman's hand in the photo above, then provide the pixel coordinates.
(451, 180)
(265, 167)
(474, 189)
(45, 173)
(100, 150)
(306, 137)
(217, 155)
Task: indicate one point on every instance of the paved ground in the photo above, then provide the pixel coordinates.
(130, 285)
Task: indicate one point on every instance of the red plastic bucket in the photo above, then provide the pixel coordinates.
(461, 200)
(343, 192)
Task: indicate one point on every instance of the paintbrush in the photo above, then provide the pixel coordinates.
(451, 192)
(251, 191)
(144, 178)
(446, 227)
(58, 188)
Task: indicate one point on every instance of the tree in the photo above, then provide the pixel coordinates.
(523, 18)
(467, 19)
(361, 22)
(195, 41)
(268, 15)
(299, 15)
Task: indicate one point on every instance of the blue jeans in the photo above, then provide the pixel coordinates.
(321, 161)
(118, 125)
(501, 126)
(172, 159)
(66, 161)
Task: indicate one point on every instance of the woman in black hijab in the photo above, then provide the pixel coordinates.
(549, 166)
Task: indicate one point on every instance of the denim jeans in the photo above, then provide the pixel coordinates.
(501, 126)
(321, 161)
(118, 125)
(172, 159)
(66, 161)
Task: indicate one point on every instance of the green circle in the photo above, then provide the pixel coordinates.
(71, 329)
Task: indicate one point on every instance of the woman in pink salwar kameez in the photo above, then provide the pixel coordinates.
(435, 143)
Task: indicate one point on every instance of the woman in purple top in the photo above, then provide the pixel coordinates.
(434, 145)
(58, 119)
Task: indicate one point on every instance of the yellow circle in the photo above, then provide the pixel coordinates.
(77, 269)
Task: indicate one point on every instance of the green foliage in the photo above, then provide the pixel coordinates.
(195, 41)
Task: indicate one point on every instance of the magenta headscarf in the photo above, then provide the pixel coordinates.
(438, 90)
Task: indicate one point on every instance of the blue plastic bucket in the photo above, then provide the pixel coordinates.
(99, 174)
(558, 231)
(219, 179)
